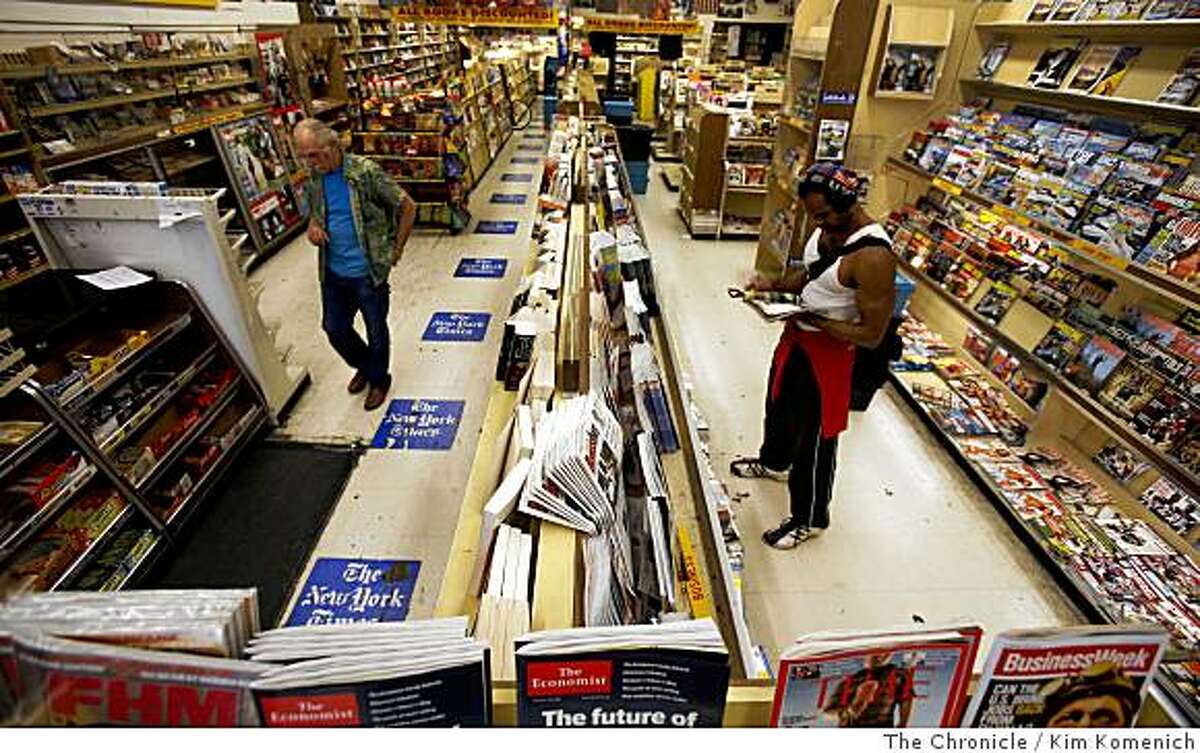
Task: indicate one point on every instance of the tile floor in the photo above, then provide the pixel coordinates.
(911, 535)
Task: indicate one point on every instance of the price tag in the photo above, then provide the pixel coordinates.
(1011, 215)
(947, 186)
(1093, 251)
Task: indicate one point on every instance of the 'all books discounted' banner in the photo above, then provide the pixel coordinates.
(635, 25)
(537, 18)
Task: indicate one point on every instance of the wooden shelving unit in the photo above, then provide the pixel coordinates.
(1071, 419)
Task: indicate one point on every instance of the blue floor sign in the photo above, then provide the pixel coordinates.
(453, 326)
(496, 227)
(508, 198)
(355, 590)
(516, 178)
(419, 425)
(481, 268)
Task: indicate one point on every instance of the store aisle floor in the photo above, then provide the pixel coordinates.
(911, 535)
(403, 504)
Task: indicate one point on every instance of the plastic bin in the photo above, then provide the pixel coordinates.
(635, 142)
(619, 112)
(639, 175)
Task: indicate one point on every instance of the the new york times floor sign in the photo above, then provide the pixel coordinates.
(419, 425)
(356, 590)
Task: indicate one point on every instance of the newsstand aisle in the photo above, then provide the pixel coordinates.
(404, 504)
(911, 535)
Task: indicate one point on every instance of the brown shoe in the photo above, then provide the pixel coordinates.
(357, 384)
(376, 395)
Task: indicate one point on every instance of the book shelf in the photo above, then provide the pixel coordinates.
(838, 86)
(1082, 354)
(108, 464)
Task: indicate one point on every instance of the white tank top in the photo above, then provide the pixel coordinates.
(826, 295)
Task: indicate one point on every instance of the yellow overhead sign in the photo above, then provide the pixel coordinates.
(640, 25)
(465, 15)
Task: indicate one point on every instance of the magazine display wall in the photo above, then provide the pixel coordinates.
(847, 101)
(267, 181)
(587, 358)
(133, 108)
(1051, 231)
(136, 408)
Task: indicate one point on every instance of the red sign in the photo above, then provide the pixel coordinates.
(555, 678)
(336, 710)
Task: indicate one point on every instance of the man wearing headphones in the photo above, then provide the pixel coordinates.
(846, 284)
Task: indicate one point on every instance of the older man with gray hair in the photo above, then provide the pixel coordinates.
(359, 220)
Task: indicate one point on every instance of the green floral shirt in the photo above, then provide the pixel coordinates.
(375, 201)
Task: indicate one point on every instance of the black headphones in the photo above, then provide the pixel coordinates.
(839, 185)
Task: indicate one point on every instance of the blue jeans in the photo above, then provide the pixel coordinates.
(341, 299)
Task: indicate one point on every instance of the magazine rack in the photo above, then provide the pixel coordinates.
(1069, 419)
(179, 235)
(833, 74)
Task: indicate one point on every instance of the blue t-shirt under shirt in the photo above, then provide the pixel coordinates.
(345, 257)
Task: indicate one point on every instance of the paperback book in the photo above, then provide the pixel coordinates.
(1096, 360)
(1059, 345)
(1183, 86)
(1120, 462)
(993, 58)
(1056, 62)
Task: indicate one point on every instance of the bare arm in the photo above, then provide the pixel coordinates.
(875, 293)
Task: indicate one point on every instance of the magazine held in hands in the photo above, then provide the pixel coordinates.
(902, 678)
(1094, 676)
(669, 675)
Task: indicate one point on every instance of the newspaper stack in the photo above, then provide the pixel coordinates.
(504, 605)
(1093, 676)
(657, 569)
(576, 471)
(891, 678)
(670, 675)
(394, 674)
(76, 659)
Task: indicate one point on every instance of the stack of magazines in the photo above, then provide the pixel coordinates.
(671, 675)
(77, 659)
(871, 679)
(395, 674)
(1094, 676)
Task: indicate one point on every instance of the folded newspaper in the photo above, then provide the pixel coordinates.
(892, 678)
(395, 674)
(1070, 677)
(576, 467)
(674, 674)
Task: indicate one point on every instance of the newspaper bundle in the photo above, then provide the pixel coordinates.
(576, 469)
(1069, 677)
(909, 677)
